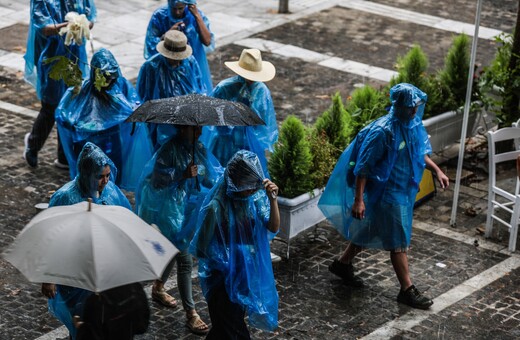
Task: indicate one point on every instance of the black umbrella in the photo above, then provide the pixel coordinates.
(195, 109)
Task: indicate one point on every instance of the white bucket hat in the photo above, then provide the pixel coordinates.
(174, 46)
(251, 66)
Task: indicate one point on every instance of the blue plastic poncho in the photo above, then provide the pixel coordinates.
(390, 154)
(69, 301)
(224, 141)
(232, 242)
(167, 199)
(161, 22)
(98, 116)
(40, 47)
(158, 79)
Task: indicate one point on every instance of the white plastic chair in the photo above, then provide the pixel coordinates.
(517, 140)
(498, 198)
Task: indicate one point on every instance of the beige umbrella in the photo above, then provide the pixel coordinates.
(90, 246)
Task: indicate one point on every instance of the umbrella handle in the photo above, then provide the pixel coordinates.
(197, 185)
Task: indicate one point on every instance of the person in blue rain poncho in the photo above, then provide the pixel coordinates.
(371, 193)
(171, 73)
(235, 225)
(97, 115)
(184, 16)
(170, 193)
(95, 181)
(248, 88)
(44, 42)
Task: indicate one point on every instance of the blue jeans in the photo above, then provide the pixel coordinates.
(184, 267)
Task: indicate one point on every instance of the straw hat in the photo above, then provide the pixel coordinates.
(251, 66)
(174, 46)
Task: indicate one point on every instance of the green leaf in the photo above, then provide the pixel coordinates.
(100, 80)
(64, 69)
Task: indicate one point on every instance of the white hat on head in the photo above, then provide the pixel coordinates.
(251, 66)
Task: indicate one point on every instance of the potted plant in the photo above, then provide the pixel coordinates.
(446, 91)
(365, 105)
(500, 83)
(293, 167)
(335, 125)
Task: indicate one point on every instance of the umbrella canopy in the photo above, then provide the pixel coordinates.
(97, 249)
(195, 109)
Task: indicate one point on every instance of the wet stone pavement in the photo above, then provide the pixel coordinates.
(474, 281)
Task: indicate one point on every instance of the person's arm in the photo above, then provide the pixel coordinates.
(444, 181)
(274, 216)
(205, 35)
(53, 29)
(358, 208)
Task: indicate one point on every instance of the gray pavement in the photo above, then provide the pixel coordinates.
(321, 47)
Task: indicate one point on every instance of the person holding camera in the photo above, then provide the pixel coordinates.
(184, 16)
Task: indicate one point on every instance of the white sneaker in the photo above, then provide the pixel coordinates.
(30, 157)
(60, 165)
(275, 258)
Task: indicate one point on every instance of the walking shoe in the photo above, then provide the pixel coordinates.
(413, 298)
(346, 272)
(30, 157)
(60, 165)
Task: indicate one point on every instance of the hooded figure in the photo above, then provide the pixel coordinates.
(248, 88)
(235, 225)
(98, 115)
(95, 180)
(371, 193)
(170, 193)
(43, 43)
(396, 139)
(170, 73)
(184, 16)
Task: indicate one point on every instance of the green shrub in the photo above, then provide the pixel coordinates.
(335, 124)
(365, 105)
(456, 66)
(291, 161)
(412, 68)
(499, 76)
(323, 160)
(440, 97)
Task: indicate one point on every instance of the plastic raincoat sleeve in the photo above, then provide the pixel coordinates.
(165, 198)
(262, 104)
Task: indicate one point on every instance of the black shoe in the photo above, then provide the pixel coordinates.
(30, 157)
(346, 272)
(413, 298)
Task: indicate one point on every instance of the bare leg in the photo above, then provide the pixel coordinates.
(349, 253)
(400, 264)
(343, 268)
